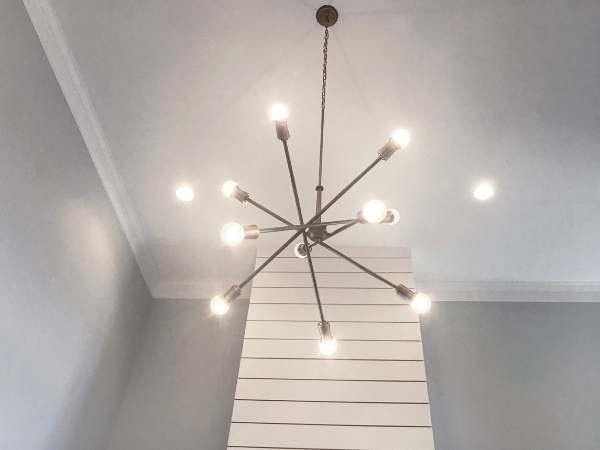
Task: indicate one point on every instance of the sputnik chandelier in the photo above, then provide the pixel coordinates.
(315, 229)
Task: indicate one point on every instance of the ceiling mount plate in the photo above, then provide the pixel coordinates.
(327, 15)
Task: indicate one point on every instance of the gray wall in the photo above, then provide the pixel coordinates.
(180, 394)
(518, 376)
(72, 297)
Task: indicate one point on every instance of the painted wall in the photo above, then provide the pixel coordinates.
(180, 393)
(72, 298)
(519, 376)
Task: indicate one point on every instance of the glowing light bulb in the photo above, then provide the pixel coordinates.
(185, 193)
(421, 303)
(483, 191)
(278, 113)
(401, 137)
(374, 211)
(218, 305)
(229, 188)
(328, 346)
(232, 234)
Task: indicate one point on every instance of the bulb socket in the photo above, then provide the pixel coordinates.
(390, 217)
(240, 195)
(325, 330)
(251, 232)
(405, 292)
(283, 133)
(232, 293)
(388, 149)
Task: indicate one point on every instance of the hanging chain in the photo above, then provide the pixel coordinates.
(323, 93)
(323, 90)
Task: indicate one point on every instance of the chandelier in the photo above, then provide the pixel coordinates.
(315, 231)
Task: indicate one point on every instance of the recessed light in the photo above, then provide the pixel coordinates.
(185, 193)
(484, 191)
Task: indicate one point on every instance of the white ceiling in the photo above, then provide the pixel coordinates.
(503, 90)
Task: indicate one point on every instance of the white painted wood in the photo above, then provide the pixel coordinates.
(331, 413)
(371, 394)
(332, 369)
(334, 313)
(331, 437)
(328, 295)
(337, 265)
(343, 330)
(333, 391)
(329, 279)
(265, 250)
(279, 348)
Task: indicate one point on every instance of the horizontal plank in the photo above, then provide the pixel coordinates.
(265, 250)
(279, 348)
(331, 413)
(343, 330)
(328, 295)
(329, 279)
(332, 370)
(330, 437)
(336, 313)
(334, 264)
(333, 391)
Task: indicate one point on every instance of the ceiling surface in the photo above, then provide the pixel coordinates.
(507, 91)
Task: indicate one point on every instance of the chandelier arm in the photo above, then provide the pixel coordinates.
(268, 211)
(359, 265)
(336, 231)
(276, 253)
(301, 220)
(306, 226)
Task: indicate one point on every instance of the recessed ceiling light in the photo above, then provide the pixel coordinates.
(185, 193)
(483, 191)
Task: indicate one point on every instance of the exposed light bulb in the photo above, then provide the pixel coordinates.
(401, 137)
(229, 188)
(421, 303)
(218, 305)
(278, 112)
(185, 193)
(395, 216)
(328, 346)
(484, 191)
(232, 234)
(374, 211)
(299, 250)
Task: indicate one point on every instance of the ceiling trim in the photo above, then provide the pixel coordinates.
(50, 33)
(512, 291)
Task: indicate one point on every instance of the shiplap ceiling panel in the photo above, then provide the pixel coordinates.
(333, 391)
(293, 264)
(370, 394)
(365, 331)
(284, 294)
(329, 279)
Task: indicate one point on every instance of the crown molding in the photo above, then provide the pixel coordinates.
(50, 33)
(511, 291)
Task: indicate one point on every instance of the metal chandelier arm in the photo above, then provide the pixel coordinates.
(306, 226)
(301, 220)
(277, 252)
(268, 211)
(359, 265)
